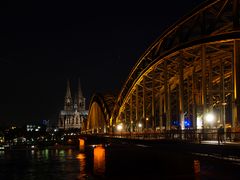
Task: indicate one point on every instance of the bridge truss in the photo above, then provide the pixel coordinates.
(190, 70)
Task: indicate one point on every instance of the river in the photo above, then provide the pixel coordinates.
(111, 161)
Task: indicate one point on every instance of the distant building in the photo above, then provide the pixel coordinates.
(74, 112)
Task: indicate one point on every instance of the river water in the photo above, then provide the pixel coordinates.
(111, 162)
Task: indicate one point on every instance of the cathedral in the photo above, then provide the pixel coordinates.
(74, 113)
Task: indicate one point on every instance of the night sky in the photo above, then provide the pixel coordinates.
(45, 43)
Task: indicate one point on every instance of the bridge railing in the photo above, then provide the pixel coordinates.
(185, 135)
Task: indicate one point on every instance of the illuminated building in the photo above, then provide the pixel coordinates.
(74, 112)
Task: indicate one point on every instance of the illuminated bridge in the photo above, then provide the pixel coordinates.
(190, 71)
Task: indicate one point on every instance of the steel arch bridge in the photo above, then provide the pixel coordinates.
(100, 113)
(190, 70)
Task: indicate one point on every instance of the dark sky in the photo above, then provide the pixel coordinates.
(45, 43)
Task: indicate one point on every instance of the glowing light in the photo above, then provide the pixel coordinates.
(187, 123)
(199, 123)
(147, 118)
(140, 125)
(119, 127)
(81, 144)
(81, 156)
(209, 117)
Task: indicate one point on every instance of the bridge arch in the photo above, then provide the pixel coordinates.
(190, 70)
(99, 113)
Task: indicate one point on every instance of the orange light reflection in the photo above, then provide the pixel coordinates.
(81, 144)
(99, 160)
(196, 166)
(82, 160)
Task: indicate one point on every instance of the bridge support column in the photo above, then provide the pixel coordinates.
(181, 97)
(168, 123)
(131, 113)
(160, 112)
(137, 108)
(236, 85)
(166, 97)
(189, 95)
(153, 107)
(210, 87)
(222, 90)
(144, 102)
(194, 109)
(204, 89)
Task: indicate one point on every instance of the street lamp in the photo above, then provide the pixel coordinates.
(209, 117)
(147, 122)
(139, 126)
(119, 128)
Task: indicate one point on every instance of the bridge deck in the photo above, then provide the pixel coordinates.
(228, 150)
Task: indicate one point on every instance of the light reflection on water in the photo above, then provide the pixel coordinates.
(99, 160)
(81, 144)
(82, 163)
(42, 164)
(105, 162)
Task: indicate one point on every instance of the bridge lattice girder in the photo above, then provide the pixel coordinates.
(209, 32)
(189, 70)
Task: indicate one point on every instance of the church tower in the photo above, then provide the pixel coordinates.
(74, 113)
(68, 104)
(81, 99)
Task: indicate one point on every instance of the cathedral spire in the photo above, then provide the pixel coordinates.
(80, 94)
(81, 99)
(68, 92)
(68, 98)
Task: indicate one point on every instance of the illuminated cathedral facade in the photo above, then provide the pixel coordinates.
(74, 112)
